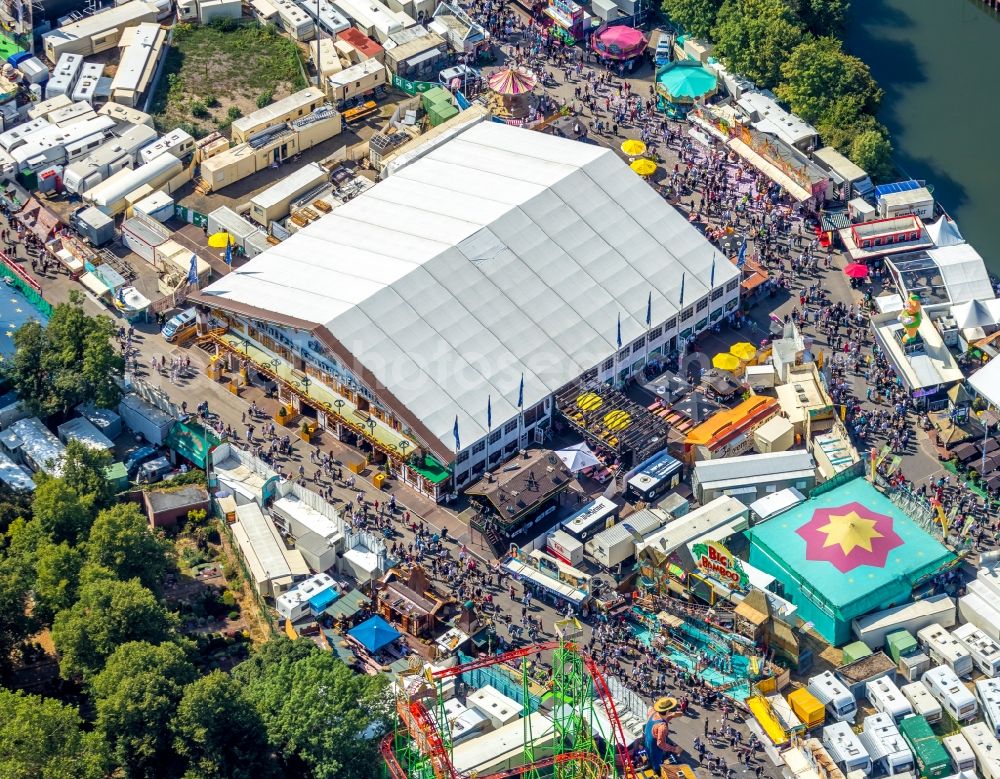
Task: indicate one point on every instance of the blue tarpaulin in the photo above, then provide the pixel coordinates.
(322, 599)
(373, 634)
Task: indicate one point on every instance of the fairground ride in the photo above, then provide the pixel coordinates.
(579, 745)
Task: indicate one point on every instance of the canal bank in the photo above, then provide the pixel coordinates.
(936, 61)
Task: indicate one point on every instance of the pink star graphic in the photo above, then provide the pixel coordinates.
(849, 536)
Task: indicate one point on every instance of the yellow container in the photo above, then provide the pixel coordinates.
(806, 707)
(379, 480)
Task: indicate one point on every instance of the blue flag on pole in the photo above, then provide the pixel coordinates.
(489, 412)
(193, 270)
(619, 331)
(458, 444)
(649, 310)
(682, 289)
(121, 295)
(741, 258)
(229, 251)
(520, 393)
(711, 274)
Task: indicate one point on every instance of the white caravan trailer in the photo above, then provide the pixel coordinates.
(885, 696)
(985, 651)
(834, 695)
(944, 648)
(943, 683)
(922, 701)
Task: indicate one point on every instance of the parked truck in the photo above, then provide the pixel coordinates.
(873, 628)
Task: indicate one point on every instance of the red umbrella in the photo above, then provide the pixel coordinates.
(856, 271)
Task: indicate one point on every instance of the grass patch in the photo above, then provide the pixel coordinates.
(219, 70)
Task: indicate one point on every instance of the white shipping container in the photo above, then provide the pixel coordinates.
(617, 544)
(873, 628)
(565, 547)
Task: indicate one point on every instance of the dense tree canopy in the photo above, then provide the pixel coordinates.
(122, 542)
(823, 17)
(85, 471)
(220, 733)
(872, 150)
(61, 512)
(67, 362)
(57, 577)
(316, 709)
(108, 613)
(753, 37)
(695, 17)
(136, 696)
(41, 738)
(818, 77)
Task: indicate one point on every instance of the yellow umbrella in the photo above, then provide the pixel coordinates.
(745, 350)
(644, 167)
(633, 147)
(589, 401)
(219, 240)
(617, 420)
(725, 361)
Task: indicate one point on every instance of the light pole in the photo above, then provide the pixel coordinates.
(339, 403)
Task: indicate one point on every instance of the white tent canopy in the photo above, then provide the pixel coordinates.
(963, 272)
(944, 232)
(986, 381)
(500, 254)
(577, 457)
(977, 313)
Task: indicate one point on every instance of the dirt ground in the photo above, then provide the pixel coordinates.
(215, 74)
(256, 624)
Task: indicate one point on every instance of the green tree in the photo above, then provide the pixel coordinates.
(753, 38)
(61, 512)
(823, 17)
(122, 542)
(15, 624)
(316, 709)
(136, 697)
(69, 361)
(695, 17)
(41, 738)
(85, 471)
(819, 76)
(872, 150)
(108, 614)
(13, 504)
(841, 124)
(57, 577)
(220, 733)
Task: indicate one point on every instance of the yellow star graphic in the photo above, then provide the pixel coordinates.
(849, 531)
(18, 310)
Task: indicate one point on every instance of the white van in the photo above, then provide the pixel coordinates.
(845, 748)
(988, 694)
(180, 326)
(885, 696)
(945, 649)
(985, 650)
(961, 754)
(943, 683)
(834, 695)
(922, 701)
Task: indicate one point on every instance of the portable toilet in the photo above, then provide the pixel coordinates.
(807, 708)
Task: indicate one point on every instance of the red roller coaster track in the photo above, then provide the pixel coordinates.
(438, 754)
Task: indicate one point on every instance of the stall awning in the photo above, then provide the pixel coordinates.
(374, 634)
(770, 170)
(192, 441)
(94, 284)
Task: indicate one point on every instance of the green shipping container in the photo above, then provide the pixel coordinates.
(856, 651)
(900, 644)
(931, 756)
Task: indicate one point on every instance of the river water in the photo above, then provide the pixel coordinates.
(937, 61)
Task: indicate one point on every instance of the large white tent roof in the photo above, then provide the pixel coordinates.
(963, 271)
(500, 253)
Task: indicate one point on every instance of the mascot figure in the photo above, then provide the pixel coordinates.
(910, 317)
(657, 732)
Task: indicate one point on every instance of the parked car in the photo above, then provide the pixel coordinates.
(136, 459)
